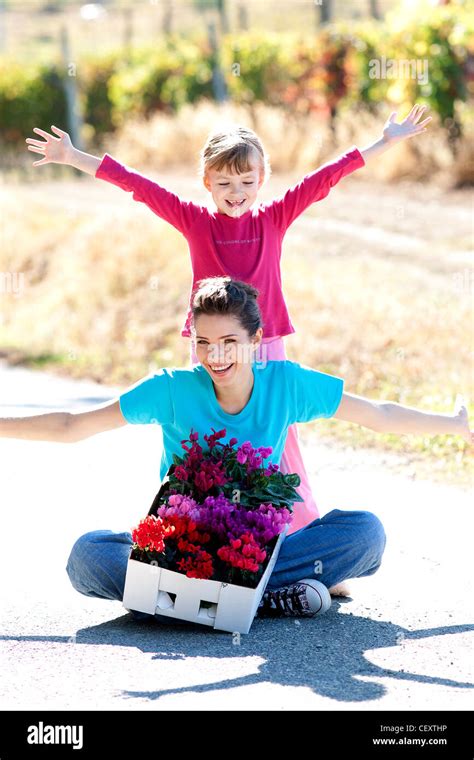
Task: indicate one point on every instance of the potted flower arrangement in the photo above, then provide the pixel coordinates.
(211, 538)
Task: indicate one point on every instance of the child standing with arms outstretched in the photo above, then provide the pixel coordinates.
(238, 238)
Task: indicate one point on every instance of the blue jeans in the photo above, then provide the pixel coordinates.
(335, 547)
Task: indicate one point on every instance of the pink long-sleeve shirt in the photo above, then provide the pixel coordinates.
(247, 248)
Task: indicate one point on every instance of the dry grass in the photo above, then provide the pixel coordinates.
(85, 306)
(391, 333)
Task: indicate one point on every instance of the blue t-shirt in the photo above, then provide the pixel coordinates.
(284, 392)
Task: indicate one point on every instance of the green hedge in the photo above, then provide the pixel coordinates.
(320, 73)
(29, 96)
(160, 79)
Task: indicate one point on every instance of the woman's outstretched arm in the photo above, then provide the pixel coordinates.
(388, 417)
(63, 427)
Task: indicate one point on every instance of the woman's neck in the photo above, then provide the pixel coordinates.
(235, 397)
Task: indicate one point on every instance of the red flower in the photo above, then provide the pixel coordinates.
(186, 546)
(243, 552)
(182, 525)
(197, 566)
(151, 533)
(186, 528)
(199, 538)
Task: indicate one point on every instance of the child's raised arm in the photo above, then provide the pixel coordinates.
(165, 204)
(393, 132)
(314, 187)
(60, 150)
(317, 185)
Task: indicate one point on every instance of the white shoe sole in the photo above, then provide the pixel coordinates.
(318, 595)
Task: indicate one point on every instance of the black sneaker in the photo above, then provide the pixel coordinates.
(303, 599)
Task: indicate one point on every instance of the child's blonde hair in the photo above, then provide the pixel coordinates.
(234, 148)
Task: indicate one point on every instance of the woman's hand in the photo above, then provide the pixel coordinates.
(409, 127)
(55, 150)
(461, 421)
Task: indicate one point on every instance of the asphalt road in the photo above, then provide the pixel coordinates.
(404, 640)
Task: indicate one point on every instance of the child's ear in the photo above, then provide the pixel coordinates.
(206, 182)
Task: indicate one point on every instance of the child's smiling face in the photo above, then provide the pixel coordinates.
(234, 193)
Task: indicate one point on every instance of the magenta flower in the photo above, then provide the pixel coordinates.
(211, 440)
(181, 472)
(241, 456)
(270, 469)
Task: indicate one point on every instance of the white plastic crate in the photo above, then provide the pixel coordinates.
(224, 606)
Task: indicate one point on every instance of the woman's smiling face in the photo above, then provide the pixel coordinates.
(234, 193)
(224, 347)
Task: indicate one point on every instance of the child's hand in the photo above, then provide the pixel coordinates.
(461, 420)
(409, 127)
(56, 150)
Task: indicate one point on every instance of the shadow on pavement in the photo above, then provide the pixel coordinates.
(325, 654)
